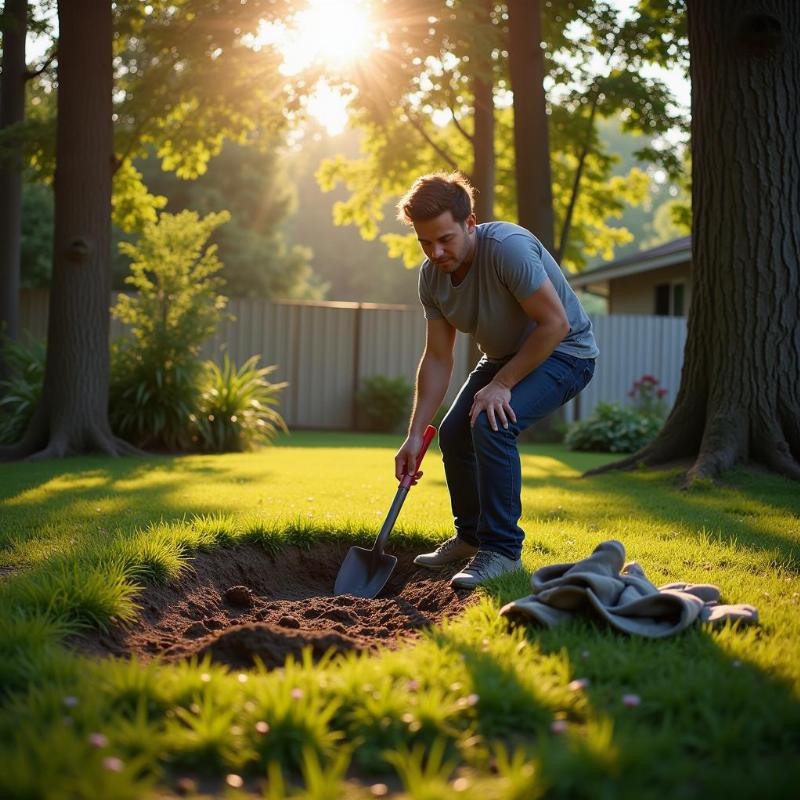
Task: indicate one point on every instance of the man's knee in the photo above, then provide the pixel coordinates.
(452, 433)
(484, 436)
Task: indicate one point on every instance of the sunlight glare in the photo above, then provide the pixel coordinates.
(327, 32)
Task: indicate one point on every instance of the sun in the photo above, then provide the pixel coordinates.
(326, 33)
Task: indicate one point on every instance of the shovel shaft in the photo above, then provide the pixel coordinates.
(388, 524)
(400, 497)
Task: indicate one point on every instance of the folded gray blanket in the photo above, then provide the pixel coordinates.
(604, 587)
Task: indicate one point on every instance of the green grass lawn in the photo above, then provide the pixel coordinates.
(468, 711)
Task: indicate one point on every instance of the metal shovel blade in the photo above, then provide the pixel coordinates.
(364, 572)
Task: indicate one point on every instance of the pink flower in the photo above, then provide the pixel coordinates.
(98, 740)
(579, 684)
(559, 726)
(296, 694)
(113, 764)
(631, 700)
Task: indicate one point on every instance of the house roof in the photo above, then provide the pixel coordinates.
(677, 251)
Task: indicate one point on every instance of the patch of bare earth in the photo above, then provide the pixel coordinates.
(243, 604)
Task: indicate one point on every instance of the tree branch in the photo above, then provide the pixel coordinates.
(468, 136)
(439, 151)
(576, 184)
(31, 74)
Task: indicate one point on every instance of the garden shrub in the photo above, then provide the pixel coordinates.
(384, 403)
(614, 428)
(156, 371)
(20, 392)
(236, 408)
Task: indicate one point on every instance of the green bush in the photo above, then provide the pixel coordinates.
(20, 392)
(613, 429)
(237, 407)
(156, 371)
(384, 403)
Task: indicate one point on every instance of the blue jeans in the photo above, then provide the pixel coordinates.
(482, 466)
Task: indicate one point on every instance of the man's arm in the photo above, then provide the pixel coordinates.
(545, 308)
(433, 377)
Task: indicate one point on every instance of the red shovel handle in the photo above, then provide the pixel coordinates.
(427, 438)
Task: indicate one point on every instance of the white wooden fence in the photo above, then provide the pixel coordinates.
(325, 350)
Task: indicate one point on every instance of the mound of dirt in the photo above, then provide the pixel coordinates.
(242, 604)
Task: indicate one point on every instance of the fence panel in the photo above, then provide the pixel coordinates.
(632, 346)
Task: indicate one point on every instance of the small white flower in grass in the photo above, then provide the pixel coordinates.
(262, 727)
(241, 677)
(455, 686)
(379, 790)
(205, 677)
(469, 701)
(460, 785)
(235, 781)
(113, 764)
(236, 730)
(297, 694)
(70, 701)
(631, 700)
(578, 685)
(98, 740)
(559, 726)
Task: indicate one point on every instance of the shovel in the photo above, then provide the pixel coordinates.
(364, 572)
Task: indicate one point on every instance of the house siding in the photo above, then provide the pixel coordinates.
(634, 294)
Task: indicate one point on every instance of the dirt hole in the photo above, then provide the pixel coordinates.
(244, 603)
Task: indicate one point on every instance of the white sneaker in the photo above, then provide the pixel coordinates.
(448, 552)
(485, 565)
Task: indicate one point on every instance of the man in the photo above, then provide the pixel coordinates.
(496, 282)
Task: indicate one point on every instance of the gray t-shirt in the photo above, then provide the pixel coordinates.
(510, 264)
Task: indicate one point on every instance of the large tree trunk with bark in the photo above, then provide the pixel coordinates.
(739, 398)
(73, 414)
(531, 138)
(12, 111)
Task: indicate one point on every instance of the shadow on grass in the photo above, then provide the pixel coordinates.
(723, 511)
(706, 723)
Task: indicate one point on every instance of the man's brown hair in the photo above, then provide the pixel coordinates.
(432, 195)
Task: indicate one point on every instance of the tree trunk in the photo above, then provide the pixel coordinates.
(483, 170)
(12, 111)
(531, 139)
(73, 414)
(739, 397)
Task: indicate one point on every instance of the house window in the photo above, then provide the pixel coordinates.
(670, 299)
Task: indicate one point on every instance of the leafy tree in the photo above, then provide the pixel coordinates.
(739, 397)
(355, 269)
(583, 190)
(252, 186)
(183, 80)
(155, 382)
(36, 261)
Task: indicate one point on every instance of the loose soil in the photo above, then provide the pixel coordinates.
(242, 604)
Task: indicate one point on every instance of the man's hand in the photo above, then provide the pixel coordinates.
(406, 458)
(495, 400)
